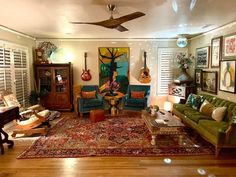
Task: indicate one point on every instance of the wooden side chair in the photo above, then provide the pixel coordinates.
(30, 118)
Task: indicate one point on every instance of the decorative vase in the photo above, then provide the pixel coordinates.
(183, 77)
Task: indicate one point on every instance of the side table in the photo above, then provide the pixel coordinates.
(7, 115)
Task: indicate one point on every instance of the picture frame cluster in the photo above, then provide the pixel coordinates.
(220, 55)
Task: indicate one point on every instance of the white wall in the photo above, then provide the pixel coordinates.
(205, 40)
(75, 49)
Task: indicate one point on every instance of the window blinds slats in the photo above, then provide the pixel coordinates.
(13, 67)
(166, 66)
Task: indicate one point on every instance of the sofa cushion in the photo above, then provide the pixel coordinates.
(88, 94)
(195, 115)
(182, 107)
(92, 102)
(217, 113)
(135, 102)
(194, 101)
(137, 94)
(213, 127)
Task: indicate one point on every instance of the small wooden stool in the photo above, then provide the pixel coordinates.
(96, 115)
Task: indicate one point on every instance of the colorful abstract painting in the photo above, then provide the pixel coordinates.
(113, 69)
(227, 76)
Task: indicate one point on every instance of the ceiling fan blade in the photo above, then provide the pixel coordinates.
(130, 17)
(121, 28)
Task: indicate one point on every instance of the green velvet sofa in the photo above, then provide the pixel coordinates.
(220, 134)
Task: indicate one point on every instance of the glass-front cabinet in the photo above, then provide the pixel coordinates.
(54, 81)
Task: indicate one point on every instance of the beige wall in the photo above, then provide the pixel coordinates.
(74, 51)
(205, 40)
(22, 40)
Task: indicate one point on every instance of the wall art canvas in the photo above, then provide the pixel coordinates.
(198, 77)
(230, 46)
(209, 81)
(113, 69)
(227, 76)
(216, 51)
(202, 57)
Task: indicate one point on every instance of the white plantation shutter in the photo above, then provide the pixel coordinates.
(14, 71)
(165, 68)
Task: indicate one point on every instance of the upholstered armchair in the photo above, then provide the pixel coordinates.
(89, 99)
(136, 97)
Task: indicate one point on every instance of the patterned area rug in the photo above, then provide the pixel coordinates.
(116, 136)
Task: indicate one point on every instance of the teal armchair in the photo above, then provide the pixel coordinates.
(131, 103)
(87, 104)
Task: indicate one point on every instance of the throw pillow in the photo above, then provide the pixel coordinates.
(10, 100)
(137, 94)
(194, 101)
(88, 94)
(216, 113)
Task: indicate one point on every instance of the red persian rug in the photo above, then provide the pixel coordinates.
(116, 136)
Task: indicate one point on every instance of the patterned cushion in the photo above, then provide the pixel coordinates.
(217, 113)
(137, 94)
(10, 100)
(195, 101)
(88, 94)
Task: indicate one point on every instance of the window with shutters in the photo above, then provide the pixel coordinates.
(165, 68)
(14, 71)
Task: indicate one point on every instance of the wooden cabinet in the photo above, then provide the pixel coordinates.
(56, 81)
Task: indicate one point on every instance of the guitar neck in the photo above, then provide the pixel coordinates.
(85, 60)
(145, 56)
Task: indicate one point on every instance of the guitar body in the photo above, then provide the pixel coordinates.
(144, 76)
(86, 76)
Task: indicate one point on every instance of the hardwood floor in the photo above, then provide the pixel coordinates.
(181, 166)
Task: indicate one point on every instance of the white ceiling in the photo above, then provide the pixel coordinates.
(50, 18)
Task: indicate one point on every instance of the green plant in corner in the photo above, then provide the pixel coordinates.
(36, 96)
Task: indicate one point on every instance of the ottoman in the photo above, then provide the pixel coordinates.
(96, 115)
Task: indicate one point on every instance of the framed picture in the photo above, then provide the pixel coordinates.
(113, 69)
(227, 76)
(216, 51)
(209, 81)
(198, 77)
(202, 57)
(230, 46)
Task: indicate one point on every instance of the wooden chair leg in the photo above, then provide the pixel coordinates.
(217, 151)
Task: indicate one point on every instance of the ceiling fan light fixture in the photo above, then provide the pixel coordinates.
(182, 42)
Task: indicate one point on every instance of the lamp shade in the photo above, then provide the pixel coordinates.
(182, 42)
(167, 106)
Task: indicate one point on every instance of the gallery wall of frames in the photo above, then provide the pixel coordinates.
(220, 57)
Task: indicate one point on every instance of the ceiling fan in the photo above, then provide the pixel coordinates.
(114, 23)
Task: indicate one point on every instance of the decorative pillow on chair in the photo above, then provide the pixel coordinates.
(195, 101)
(137, 94)
(10, 100)
(88, 94)
(216, 113)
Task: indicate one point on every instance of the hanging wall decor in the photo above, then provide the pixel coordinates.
(202, 57)
(227, 76)
(216, 51)
(113, 69)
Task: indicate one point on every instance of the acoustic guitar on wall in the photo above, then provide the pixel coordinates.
(144, 76)
(86, 76)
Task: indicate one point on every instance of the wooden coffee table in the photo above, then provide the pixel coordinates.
(171, 124)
